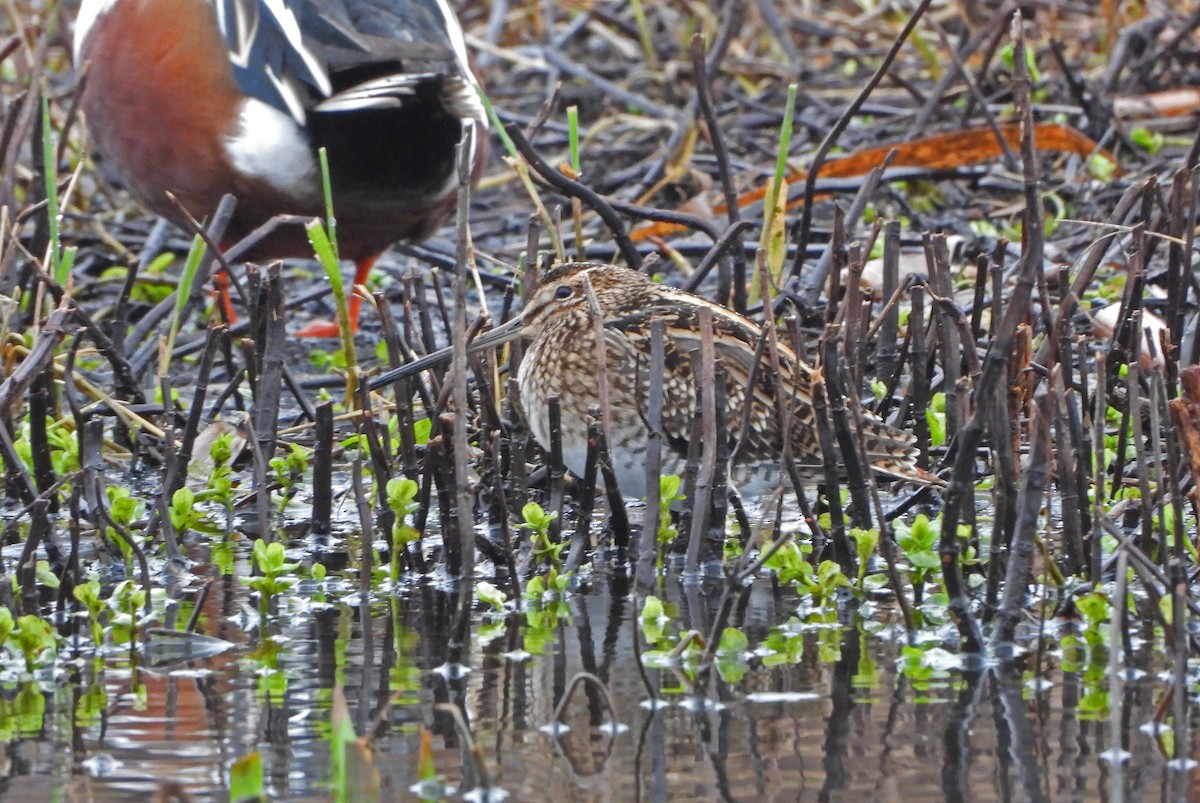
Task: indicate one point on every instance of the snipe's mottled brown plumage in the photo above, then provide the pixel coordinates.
(562, 361)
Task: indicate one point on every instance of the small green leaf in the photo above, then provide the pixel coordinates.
(1152, 141)
(246, 778)
(654, 619)
(45, 575)
(1101, 167)
(491, 595)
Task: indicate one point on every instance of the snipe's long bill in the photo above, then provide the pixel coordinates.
(562, 361)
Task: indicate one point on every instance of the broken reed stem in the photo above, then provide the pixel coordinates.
(26, 572)
(500, 522)
(1188, 235)
(487, 380)
(1069, 453)
(381, 470)
(855, 470)
(322, 487)
(647, 547)
(937, 258)
(1099, 467)
(836, 250)
(555, 471)
(1179, 625)
(887, 547)
(783, 396)
(424, 501)
(262, 492)
(691, 470)
(1168, 546)
(601, 354)
(439, 299)
(852, 469)
(519, 447)
(398, 352)
(825, 437)
(708, 437)
(1029, 508)
(977, 299)
(269, 336)
(462, 488)
(919, 393)
(618, 517)
(1175, 471)
(887, 351)
(1146, 502)
(719, 497)
(852, 314)
(427, 332)
(39, 438)
(440, 461)
(362, 504)
(174, 466)
(580, 538)
(797, 343)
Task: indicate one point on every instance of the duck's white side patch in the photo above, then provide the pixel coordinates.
(270, 146)
(460, 94)
(89, 12)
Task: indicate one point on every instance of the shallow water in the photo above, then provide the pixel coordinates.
(832, 718)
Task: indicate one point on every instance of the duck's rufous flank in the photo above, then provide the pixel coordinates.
(205, 97)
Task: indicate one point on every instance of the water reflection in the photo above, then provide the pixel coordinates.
(832, 720)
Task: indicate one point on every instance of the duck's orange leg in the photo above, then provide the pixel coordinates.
(221, 284)
(325, 328)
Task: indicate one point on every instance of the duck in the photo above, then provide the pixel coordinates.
(198, 98)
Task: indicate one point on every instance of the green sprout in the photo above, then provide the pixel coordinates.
(490, 595)
(273, 567)
(821, 583)
(401, 499)
(219, 484)
(127, 599)
(537, 521)
(668, 494)
(935, 417)
(865, 542)
(920, 544)
(546, 605)
(289, 470)
(34, 637)
(124, 509)
(185, 516)
(88, 595)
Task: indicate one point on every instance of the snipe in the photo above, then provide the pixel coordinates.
(561, 361)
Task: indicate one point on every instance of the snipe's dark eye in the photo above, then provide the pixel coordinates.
(563, 291)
